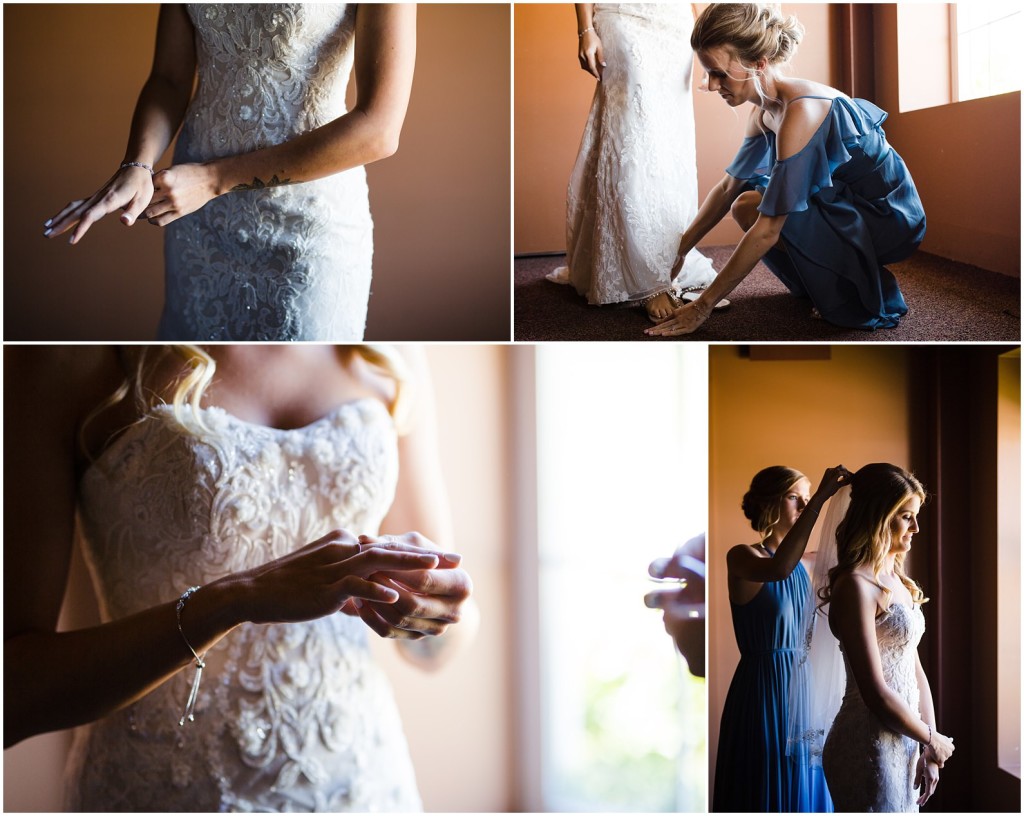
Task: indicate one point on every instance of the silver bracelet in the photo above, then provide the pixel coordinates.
(200, 665)
(584, 31)
(148, 167)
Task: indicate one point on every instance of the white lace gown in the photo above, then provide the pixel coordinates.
(868, 768)
(291, 716)
(633, 190)
(279, 263)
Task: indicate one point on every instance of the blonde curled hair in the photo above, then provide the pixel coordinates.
(198, 369)
(864, 536)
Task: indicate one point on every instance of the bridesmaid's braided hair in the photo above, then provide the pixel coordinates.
(752, 31)
(761, 502)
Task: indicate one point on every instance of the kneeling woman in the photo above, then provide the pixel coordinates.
(822, 197)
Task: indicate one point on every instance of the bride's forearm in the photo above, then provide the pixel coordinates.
(114, 664)
(352, 140)
(158, 115)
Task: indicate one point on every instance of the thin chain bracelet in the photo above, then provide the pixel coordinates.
(584, 31)
(200, 665)
(144, 166)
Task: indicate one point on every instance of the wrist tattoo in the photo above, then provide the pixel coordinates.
(259, 184)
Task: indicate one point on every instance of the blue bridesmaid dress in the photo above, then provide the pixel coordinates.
(753, 773)
(852, 207)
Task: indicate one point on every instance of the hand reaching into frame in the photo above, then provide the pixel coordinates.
(129, 189)
(429, 599)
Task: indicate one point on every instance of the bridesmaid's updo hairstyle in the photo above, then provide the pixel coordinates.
(864, 536)
(761, 502)
(751, 31)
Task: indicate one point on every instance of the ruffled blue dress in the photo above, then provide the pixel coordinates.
(852, 207)
(753, 773)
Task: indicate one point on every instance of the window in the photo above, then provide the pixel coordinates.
(985, 47)
(621, 449)
(1008, 555)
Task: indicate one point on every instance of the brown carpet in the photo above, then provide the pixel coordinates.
(948, 301)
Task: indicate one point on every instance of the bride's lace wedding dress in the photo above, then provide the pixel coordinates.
(870, 769)
(289, 716)
(287, 262)
(633, 190)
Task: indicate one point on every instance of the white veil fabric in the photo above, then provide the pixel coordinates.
(819, 678)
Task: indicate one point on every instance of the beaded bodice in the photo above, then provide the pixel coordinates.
(290, 716)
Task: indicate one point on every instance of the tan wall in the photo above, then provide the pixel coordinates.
(965, 159)
(553, 97)
(440, 205)
(463, 760)
(850, 410)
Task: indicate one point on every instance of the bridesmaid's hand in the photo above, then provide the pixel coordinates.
(926, 778)
(833, 479)
(129, 189)
(180, 190)
(592, 54)
(429, 600)
(685, 320)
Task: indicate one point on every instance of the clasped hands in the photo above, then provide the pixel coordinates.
(160, 198)
(401, 586)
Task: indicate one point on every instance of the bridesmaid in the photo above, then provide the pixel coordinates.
(822, 198)
(767, 589)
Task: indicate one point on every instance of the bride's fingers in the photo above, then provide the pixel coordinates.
(63, 220)
(356, 587)
(371, 618)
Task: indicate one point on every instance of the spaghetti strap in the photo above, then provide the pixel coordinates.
(811, 96)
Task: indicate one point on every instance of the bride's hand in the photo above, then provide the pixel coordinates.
(592, 54)
(320, 578)
(926, 778)
(685, 320)
(180, 190)
(939, 749)
(429, 600)
(129, 189)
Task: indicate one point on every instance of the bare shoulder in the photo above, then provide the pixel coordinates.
(742, 552)
(852, 589)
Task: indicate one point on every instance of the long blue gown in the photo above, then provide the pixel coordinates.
(852, 207)
(753, 773)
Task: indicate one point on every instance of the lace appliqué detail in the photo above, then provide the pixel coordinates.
(290, 717)
(277, 263)
(633, 190)
(869, 768)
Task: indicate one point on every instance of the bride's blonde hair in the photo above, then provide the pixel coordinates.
(864, 536)
(198, 368)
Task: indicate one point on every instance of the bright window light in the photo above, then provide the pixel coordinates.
(622, 479)
(988, 37)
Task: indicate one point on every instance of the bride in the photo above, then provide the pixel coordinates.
(633, 188)
(269, 235)
(884, 744)
(226, 521)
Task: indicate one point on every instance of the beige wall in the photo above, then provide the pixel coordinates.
(553, 97)
(850, 410)
(965, 159)
(440, 205)
(458, 720)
